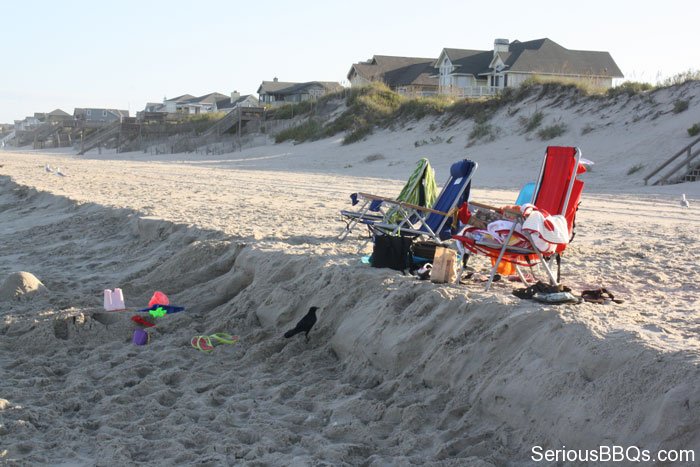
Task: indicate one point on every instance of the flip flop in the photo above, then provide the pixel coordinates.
(599, 296)
(557, 298)
(223, 338)
(202, 343)
(207, 343)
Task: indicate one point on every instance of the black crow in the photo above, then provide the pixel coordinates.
(304, 325)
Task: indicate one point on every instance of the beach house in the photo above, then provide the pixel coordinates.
(237, 100)
(99, 117)
(277, 92)
(190, 105)
(469, 73)
(412, 76)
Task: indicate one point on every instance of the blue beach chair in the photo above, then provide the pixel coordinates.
(434, 222)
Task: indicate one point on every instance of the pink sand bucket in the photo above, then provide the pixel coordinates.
(114, 300)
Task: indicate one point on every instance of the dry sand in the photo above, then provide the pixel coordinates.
(397, 371)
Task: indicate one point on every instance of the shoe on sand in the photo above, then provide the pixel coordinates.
(207, 343)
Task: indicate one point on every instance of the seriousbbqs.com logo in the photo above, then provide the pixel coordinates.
(611, 454)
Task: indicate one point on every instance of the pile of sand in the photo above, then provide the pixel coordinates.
(21, 286)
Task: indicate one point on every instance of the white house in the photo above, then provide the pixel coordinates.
(482, 72)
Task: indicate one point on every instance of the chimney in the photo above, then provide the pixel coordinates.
(235, 95)
(500, 45)
(275, 79)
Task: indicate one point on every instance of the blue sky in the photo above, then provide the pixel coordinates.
(122, 54)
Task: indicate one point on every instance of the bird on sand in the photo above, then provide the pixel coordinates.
(59, 173)
(684, 202)
(304, 325)
(48, 168)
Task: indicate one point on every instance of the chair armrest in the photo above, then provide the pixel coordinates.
(402, 204)
(504, 211)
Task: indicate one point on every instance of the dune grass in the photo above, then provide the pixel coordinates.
(376, 106)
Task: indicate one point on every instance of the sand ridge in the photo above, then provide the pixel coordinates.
(397, 371)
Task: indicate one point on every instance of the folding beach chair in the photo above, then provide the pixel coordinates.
(420, 189)
(526, 194)
(434, 222)
(557, 192)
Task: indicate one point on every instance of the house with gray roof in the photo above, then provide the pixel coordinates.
(55, 116)
(485, 72)
(406, 75)
(235, 101)
(99, 117)
(191, 105)
(277, 92)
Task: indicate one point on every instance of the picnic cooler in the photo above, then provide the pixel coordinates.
(444, 266)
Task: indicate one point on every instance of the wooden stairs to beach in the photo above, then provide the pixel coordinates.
(48, 131)
(693, 175)
(684, 170)
(120, 131)
(236, 118)
(101, 136)
(8, 137)
(38, 134)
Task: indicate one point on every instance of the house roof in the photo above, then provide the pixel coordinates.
(536, 56)
(468, 61)
(227, 104)
(397, 71)
(59, 113)
(210, 98)
(155, 106)
(182, 98)
(546, 56)
(287, 88)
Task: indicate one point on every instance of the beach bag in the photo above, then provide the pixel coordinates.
(423, 251)
(392, 252)
(444, 267)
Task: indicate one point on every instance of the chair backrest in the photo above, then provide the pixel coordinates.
(557, 183)
(558, 190)
(453, 194)
(526, 194)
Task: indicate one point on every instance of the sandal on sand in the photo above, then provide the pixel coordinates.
(207, 343)
(599, 296)
(223, 338)
(557, 298)
(539, 288)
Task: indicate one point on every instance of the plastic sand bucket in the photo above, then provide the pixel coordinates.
(158, 298)
(140, 337)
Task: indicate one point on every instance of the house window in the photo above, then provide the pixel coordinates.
(88, 112)
(104, 113)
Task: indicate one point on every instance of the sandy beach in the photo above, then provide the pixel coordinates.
(397, 371)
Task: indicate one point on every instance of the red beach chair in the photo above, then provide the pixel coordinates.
(545, 236)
